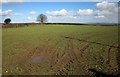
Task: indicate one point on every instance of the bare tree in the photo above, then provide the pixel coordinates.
(42, 18)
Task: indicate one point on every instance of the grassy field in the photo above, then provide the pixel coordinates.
(59, 49)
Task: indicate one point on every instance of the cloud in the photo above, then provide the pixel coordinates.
(64, 15)
(0, 12)
(9, 12)
(100, 16)
(6, 1)
(85, 12)
(33, 12)
(105, 5)
(68, 16)
(11, 1)
(31, 18)
(63, 12)
(6, 12)
(107, 12)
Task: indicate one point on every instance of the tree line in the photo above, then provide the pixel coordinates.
(41, 19)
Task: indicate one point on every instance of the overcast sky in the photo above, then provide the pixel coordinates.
(72, 12)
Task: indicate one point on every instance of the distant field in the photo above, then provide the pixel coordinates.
(59, 49)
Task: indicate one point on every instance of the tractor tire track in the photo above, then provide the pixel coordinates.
(90, 41)
(109, 51)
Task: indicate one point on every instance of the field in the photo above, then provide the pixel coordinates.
(59, 50)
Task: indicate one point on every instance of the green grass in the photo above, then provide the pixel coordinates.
(49, 40)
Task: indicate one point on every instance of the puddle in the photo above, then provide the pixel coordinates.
(38, 59)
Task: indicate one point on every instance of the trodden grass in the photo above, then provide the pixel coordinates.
(59, 49)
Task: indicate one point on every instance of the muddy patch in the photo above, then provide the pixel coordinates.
(38, 59)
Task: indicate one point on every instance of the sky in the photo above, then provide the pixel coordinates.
(58, 0)
(62, 12)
